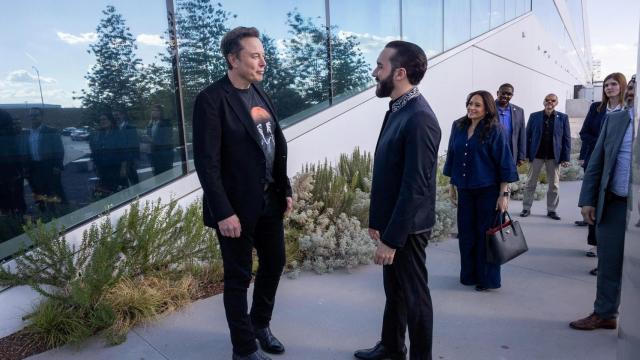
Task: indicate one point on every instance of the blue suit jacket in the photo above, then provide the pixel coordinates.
(590, 131)
(403, 190)
(561, 136)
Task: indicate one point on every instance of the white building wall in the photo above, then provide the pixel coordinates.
(502, 55)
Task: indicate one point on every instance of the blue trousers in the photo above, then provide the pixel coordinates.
(476, 214)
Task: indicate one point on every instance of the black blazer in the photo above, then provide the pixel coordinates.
(50, 146)
(228, 158)
(403, 190)
(590, 131)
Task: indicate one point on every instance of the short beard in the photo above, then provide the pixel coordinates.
(385, 86)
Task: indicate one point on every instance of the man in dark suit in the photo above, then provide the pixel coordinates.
(46, 154)
(604, 201)
(160, 133)
(548, 144)
(403, 195)
(512, 118)
(240, 156)
(130, 146)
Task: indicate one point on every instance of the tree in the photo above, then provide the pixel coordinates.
(114, 79)
(307, 57)
(200, 28)
(278, 81)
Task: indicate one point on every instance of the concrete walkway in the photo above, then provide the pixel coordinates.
(328, 316)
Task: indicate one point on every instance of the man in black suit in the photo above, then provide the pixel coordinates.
(160, 133)
(512, 118)
(240, 156)
(403, 195)
(46, 155)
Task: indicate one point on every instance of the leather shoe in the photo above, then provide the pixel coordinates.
(258, 355)
(525, 213)
(381, 352)
(553, 215)
(580, 223)
(593, 322)
(268, 342)
(594, 271)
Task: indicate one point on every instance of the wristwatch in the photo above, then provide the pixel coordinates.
(505, 194)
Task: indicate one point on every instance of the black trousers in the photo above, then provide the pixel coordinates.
(268, 240)
(591, 236)
(408, 300)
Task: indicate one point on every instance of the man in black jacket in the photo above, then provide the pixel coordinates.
(403, 196)
(240, 156)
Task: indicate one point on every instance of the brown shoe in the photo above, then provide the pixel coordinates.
(593, 322)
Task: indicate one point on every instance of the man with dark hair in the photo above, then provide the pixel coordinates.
(46, 154)
(403, 196)
(512, 118)
(240, 156)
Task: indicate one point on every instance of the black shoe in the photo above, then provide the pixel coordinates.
(525, 213)
(553, 215)
(594, 272)
(580, 223)
(258, 355)
(481, 288)
(380, 352)
(268, 342)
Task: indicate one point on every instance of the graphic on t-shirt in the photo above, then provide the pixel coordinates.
(262, 119)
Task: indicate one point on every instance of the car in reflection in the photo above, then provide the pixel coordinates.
(68, 130)
(80, 134)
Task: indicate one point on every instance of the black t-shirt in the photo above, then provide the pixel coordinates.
(545, 150)
(265, 125)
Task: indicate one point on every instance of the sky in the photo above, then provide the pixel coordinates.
(54, 35)
(614, 34)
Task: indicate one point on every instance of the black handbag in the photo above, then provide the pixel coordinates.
(505, 241)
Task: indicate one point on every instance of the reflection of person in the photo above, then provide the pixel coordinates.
(130, 146)
(240, 156)
(480, 165)
(11, 168)
(108, 156)
(548, 145)
(603, 199)
(160, 132)
(612, 99)
(512, 119)
(402, 210)
(46, 155)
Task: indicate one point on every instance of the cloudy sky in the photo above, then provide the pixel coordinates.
(54, 35)
(614, 34)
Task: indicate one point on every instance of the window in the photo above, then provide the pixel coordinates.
(457, 22)
(422, 23)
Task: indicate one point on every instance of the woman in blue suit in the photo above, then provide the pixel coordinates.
(480, 166)
(612, 100)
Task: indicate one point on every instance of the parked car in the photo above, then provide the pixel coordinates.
(68, 130)
(80, 134)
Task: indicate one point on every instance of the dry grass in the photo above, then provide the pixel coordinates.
(139, 301)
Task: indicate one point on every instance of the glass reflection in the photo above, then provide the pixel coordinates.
(422, 24)
(88, 128)
(457, 22)
(480, 16)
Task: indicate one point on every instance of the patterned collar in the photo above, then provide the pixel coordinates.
(400, 102)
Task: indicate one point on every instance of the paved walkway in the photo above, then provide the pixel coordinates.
(327, 317)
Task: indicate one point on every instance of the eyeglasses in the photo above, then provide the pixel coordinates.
(506, 93)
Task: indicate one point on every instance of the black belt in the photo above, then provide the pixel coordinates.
(609, 196)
